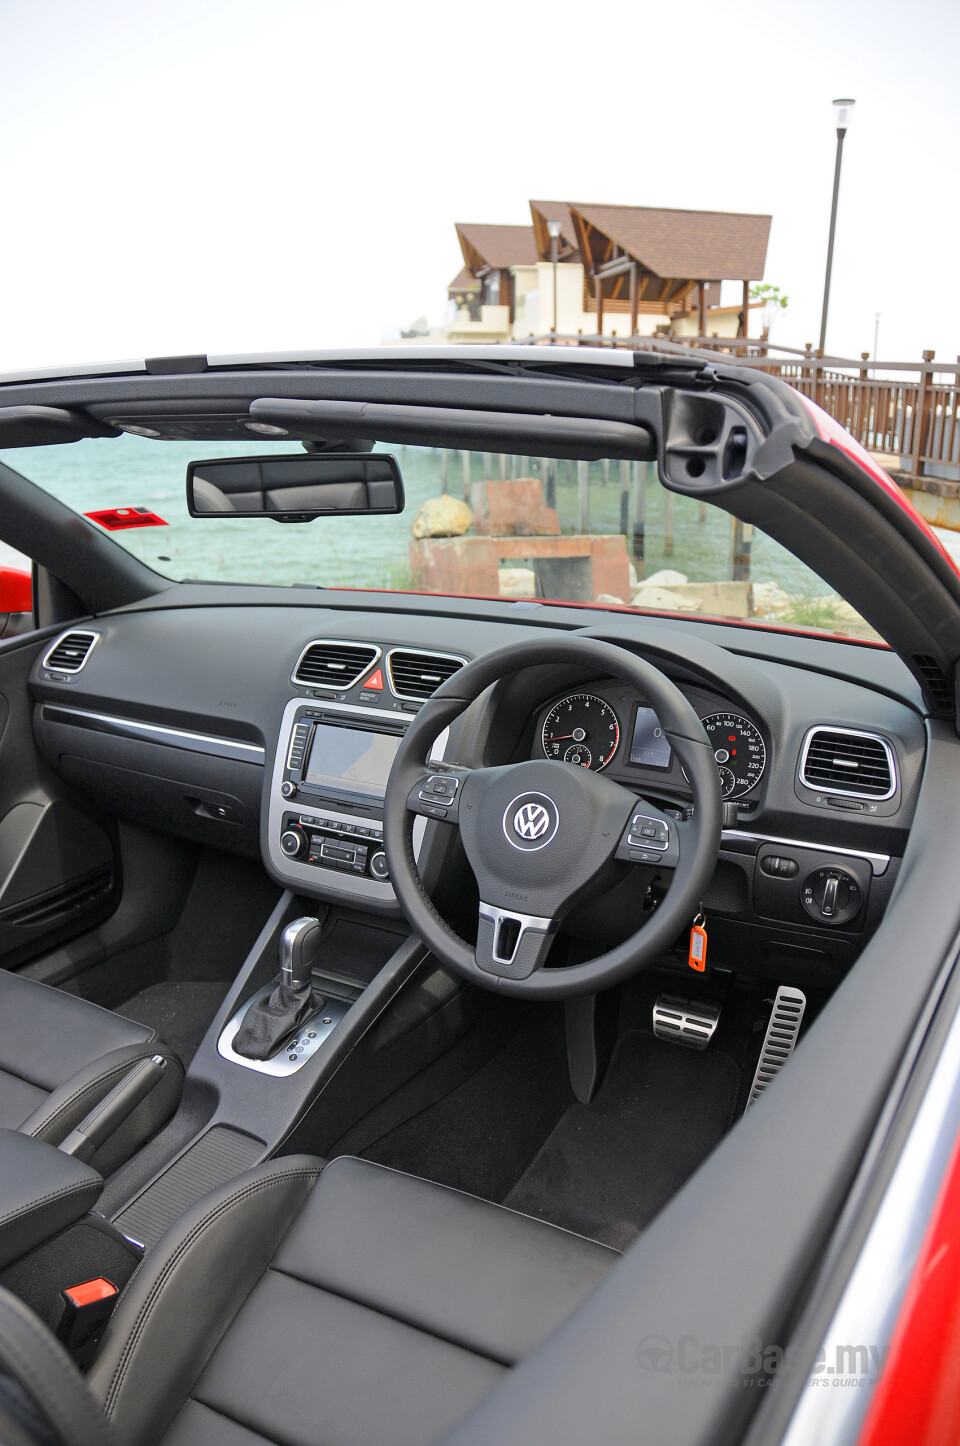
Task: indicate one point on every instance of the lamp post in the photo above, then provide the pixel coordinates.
(842, 113)
(553, 227)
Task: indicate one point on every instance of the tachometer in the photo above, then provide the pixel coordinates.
(739, 751)
(581, 729)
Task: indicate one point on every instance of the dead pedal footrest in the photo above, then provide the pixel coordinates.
(685, 1021)
(780, 1038)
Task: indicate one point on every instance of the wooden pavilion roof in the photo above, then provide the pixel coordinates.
(544, 211)
(497, 247)
(695, 245)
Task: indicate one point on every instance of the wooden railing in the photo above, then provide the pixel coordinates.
(904, 410)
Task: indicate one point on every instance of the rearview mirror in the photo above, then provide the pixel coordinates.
(297, 488)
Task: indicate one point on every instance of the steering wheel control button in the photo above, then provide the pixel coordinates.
(530, 821)
(650, 839)
(651, 832)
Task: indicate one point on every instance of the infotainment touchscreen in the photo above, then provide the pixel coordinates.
(350, 758)
(648, 745)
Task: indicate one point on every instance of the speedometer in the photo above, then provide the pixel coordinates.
(581, 729)
(739, 751)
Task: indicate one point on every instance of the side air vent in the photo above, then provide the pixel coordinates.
(936, 684)
(419, 675)
(840, 760)
(70, 652)
(326, 664)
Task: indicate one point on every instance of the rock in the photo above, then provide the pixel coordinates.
(608, 597)
(666, 577)
(517, 582)
(723, 599)
(770, 600)
(442, 517)
(662, 599)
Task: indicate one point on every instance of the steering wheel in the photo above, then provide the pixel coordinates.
(540, 836)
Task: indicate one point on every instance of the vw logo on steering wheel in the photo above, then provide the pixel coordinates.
(530, 821)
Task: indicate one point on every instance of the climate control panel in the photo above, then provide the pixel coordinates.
(330, 843)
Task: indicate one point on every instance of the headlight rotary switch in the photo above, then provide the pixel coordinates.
(831, 896)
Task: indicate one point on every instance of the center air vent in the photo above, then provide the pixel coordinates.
(326, 664)
(839, 760)
(419, 675)
(70, 652)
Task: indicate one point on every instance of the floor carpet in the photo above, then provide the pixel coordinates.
(610, 1166)
(481, 1136)
(180, 1012)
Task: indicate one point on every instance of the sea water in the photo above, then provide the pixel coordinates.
(130, 471)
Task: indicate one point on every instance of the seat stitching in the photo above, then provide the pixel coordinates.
(15, 1217)
(38, 1386)
(156, 1289)
(397, 1319)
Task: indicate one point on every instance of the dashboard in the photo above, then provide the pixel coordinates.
(266, 726)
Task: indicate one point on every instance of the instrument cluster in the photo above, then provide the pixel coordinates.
(596, 729)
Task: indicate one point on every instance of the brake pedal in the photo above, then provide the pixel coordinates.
(780, 1039)
(685, 1021)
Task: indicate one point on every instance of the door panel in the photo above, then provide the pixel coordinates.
(59, 871)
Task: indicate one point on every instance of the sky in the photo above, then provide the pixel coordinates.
(225, 176)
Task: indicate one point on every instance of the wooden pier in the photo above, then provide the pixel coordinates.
(907, 414)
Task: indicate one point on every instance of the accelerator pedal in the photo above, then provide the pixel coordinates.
(685, 1021)
(780, 1039)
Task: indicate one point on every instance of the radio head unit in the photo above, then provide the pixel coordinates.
(349, 759)
(324, 816)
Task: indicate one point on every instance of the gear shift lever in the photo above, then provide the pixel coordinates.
(268, 1021)
(299, 944)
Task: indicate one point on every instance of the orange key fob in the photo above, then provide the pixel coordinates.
(697, 957)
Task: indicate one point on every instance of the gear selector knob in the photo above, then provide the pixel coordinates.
(299, 946)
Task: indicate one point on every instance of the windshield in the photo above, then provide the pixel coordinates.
(478, 524)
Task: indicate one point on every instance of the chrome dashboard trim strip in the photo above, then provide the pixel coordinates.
(878, 862)
(154, 733)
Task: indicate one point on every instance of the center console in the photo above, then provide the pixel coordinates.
(324, 819)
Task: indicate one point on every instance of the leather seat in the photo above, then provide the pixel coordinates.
(60, 1056)
(345, 1304)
